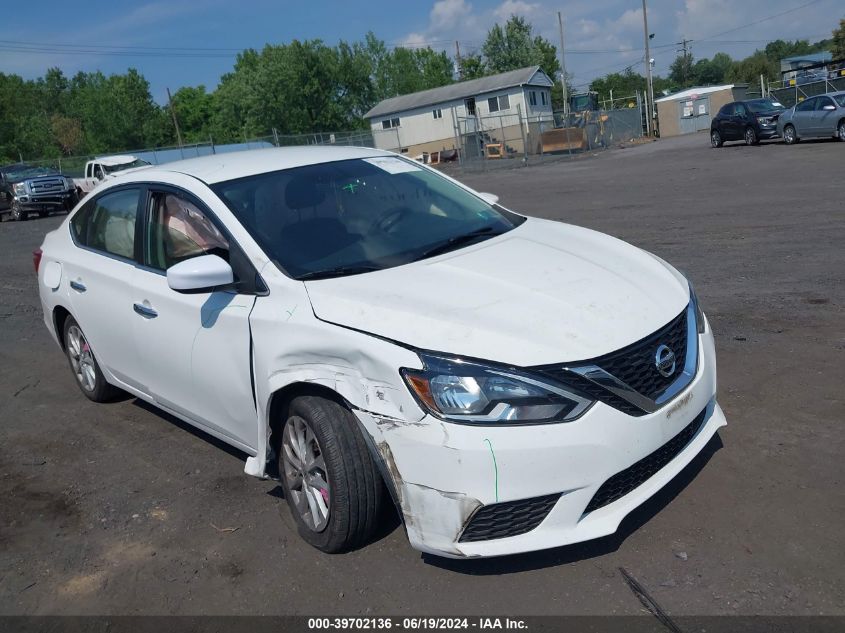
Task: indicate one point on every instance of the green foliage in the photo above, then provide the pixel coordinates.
(837, 43)
(515, 46)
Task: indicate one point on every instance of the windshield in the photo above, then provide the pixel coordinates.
(110, 169)
(840, 99)
(354, 216)
(763, 105)
(17, 173)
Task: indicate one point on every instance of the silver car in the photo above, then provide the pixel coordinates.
(823, 115)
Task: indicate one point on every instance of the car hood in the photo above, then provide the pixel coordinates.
(543, 293)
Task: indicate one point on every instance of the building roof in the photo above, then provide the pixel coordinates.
(460, 90)
(112, 161)
(690, 92)
(823, 56)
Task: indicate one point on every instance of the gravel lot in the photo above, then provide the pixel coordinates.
(120, 509)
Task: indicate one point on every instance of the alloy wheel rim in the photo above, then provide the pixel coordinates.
(81, 358)
(749, 136)
(714, 139)
(789, 134)
(842, 131)
(306, 474)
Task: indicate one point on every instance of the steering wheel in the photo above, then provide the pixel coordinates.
(386, 222)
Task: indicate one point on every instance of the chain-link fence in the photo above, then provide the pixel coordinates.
(791, 95)
(514, 139)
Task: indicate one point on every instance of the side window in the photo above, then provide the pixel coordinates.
(79, 223)
(726, 110)
(179, 230)
(806, 105)
(109, 224)
(821, 102)
(98, 172)
(88, 173)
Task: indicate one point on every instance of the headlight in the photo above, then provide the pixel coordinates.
(69, 183)
(472, 393)
(20, 188)
(699, 314)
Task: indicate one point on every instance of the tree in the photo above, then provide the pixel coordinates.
(67, 132)
(194, 109)
(514, 46)
(681, 70)
(472, 66)
(837, 47)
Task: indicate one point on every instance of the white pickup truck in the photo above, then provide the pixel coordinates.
(99, 169)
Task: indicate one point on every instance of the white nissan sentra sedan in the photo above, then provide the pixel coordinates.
(367, 329)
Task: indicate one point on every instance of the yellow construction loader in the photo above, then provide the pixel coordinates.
(582, 128)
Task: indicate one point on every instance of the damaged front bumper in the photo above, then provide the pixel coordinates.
(469, 491)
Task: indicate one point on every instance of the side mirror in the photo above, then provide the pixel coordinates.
(829, 107)
(198, 274)
(489, 198)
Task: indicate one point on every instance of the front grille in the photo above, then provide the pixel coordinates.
(634, 365)
(46, 186)
(627, 480)
(500, 520)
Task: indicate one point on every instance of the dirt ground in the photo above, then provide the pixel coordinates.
(120, 509)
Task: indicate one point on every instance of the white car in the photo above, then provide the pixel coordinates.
(366, 328)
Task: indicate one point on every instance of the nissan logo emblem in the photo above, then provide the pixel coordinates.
(664, 361)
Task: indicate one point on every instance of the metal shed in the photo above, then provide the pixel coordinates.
(692, 109)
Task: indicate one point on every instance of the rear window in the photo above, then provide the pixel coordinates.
(759, 106)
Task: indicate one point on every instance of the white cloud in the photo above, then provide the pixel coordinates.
(447, 13)
(515, 7)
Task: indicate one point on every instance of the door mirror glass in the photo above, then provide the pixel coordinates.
(198, 274)
(489, 198)
(829, 106)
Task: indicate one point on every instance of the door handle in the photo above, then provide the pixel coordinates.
(144, 311)
(78, 286)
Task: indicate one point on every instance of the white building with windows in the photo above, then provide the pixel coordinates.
(434, 120)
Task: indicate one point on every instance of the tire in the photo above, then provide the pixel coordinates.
(751, 136)
(17, 214)
(338, 512)
(716, 139)
(790, 137)
(841, 130)
(86, 370)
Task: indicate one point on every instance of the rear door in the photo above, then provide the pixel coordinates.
(100, 271)
(195, 348)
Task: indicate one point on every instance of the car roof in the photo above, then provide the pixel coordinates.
(110, 161)
(233, 165)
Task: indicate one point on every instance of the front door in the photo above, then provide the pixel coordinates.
(195, 348)
(824, 121)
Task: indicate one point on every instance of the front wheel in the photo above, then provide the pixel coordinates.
(789, 135)
(330, 482)
(716, 139)
(18, 214)
(841, 130)
(84, 365)
(751, 136)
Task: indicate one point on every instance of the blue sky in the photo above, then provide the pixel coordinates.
(601, 35)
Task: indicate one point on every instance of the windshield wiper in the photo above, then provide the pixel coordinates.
(459, 240)
(340, 271)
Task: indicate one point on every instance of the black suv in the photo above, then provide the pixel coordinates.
(26, 189)
(749, 121)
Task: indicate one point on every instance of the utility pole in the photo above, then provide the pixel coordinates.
(458, 61)
(649, 98)
(687, 56)
(173, 114)
(563, 66)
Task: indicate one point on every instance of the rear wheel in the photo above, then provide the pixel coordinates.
(331, 484)
(85, 368)
(751, 136)
(716, 139)
(789, 135)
